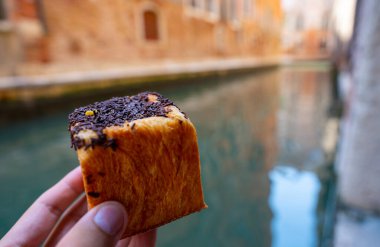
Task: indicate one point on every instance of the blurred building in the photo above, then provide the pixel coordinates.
(306, 27)
(127, 31)
(342, 25)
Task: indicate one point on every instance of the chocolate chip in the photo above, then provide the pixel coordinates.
(114, 112)
(89, 179)
(93, 194)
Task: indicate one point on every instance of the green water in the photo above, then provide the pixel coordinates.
(259, 139)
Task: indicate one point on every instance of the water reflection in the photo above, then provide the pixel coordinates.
(301, 178)
(259, 139)
(236, 126)
(267, 124)
(302, 116)
(294, 200)
(33, 156)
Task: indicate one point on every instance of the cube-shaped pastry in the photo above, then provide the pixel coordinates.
(141, 151)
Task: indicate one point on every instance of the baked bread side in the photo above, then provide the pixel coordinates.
(152, 168)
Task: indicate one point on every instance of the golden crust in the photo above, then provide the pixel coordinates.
(154, 172)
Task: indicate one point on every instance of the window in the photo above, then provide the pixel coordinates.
(3, 13)
(224, 10)
(208, 10)
(210, 6)
(196, 4)
(247, 8)
(325, 21)
(299, 23)
(233, 11)
(151, 29)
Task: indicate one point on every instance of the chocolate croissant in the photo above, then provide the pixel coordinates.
(141, 151)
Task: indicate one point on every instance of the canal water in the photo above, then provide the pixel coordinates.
(265, 175)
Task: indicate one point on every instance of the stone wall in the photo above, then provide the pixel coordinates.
(359, 166)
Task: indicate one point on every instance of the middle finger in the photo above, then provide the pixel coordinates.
(67, 221)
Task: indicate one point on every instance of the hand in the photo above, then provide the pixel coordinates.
(53, 219)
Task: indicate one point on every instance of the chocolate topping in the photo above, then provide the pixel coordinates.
(114, 112)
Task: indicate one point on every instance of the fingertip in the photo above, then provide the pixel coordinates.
(111, 217)
(101, 226)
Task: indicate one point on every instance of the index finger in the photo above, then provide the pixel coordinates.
(36, 223)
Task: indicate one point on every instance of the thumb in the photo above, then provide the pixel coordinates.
(101, 226)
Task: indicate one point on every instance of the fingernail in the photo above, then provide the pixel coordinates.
(110, 219)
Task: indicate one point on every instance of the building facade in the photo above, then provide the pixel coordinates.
(306, 28)
(129, 31)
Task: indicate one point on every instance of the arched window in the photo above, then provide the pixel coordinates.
(3, 13)
(233, 10)
(224, 10)
(151, 29)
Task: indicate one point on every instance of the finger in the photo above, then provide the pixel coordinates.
(36, 223)
(124, 242)
(101, 226)
(146, 239)
(71, 216)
